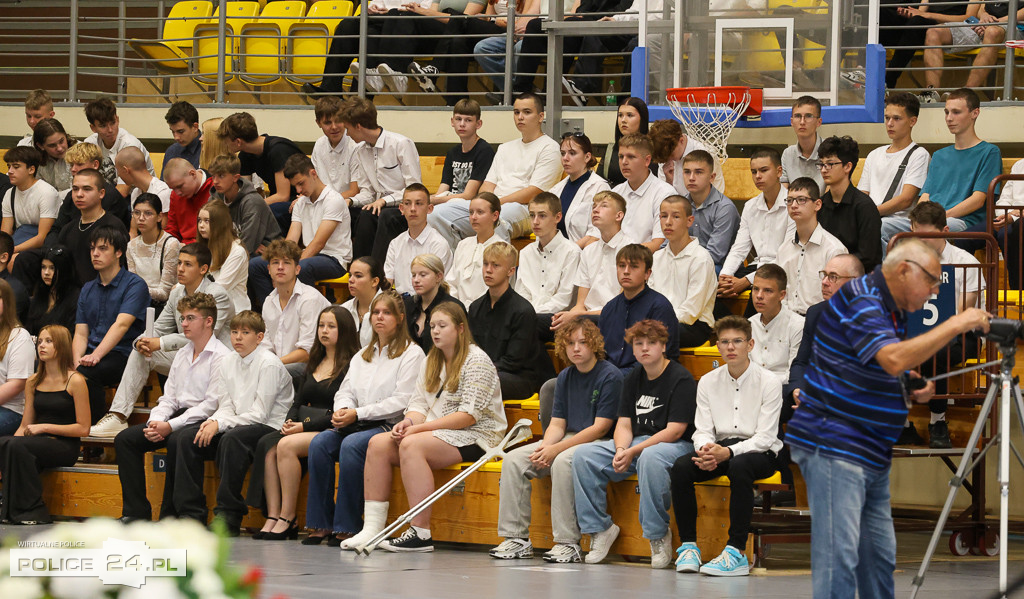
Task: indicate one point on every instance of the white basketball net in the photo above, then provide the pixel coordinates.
(710, 121)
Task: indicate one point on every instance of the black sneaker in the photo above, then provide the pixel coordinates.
(938, 435)
(909, 436)
(408, 542)
(424, 76)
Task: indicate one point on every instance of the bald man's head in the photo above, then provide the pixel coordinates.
(182, 177)
(839, 271)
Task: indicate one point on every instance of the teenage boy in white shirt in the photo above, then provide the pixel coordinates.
(385, 164)
(806, 252)
(763, 225)
(185, 401)
(736, 435)
(715, 219)
(158, 352)
(108, 135)
(253, 394)
(547, 267)
(521, 169)
(893, 175)
(291, 310)
(684, 272)
(465, 167)
(332, 151)
(31, 205)
(419, 238)
(801, 158)
(320, 225)
(642, 191)
(38, 106)
(669, 144)
(596, 278)
(777, 330)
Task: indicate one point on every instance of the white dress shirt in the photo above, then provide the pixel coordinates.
(643, 207)
(19, 363)
(256, 389)
(334, 164)
(329, 205)
(803, 262)
(385, 169)
(157, 188)
(577, 218)
(294, 327)
(381, 388)
(546, 277)
(744, 408)
(122, 141)
(466, 277)
(363, 326)
(188, 385)
(597, 271)
(233, 276)
(688, 280)
(404, 248)
(968, 279)
(777, 343)
(763, 229)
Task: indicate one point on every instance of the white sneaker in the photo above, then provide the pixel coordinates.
(397, 82)
(661, 551)
(513, 549)
(373, 80)
(564, 553)
(601, 544)
(107, 427)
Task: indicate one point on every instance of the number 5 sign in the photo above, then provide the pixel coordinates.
(937, 309)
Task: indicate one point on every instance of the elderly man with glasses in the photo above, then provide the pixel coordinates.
(847, 212)
(852, 407)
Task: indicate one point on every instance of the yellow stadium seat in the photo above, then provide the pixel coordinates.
(307, 43)
(262, 41)
(171, 54)
(204, 61)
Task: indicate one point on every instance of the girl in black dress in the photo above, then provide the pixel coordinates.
(56, 416)
(278, 462)
(431, 289)
(55, 300)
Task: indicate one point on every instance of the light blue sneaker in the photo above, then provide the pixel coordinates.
(689, 558)
(730, 563)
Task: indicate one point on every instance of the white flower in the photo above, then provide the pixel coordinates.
(155, 588)
(21, 587)
(207, 584)
(77, 587)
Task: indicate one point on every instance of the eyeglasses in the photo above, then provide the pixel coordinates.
(143, 214)
(798, 200)
(573, 134)
(933, 281)
(824, 166)
(833, 277)
(804, 117)
(735, 342)
(189, 318)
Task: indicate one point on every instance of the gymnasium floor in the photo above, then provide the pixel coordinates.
(457, 571)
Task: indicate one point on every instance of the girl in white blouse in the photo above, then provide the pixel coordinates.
(230, 263)
(457, 402)
(466, 275)
(153, 253)
(17, 362)
(375, 392)
(577, 161)
(366, 281)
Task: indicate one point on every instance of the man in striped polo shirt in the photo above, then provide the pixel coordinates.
(851, 411)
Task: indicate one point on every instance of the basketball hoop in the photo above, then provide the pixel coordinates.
(710, 113)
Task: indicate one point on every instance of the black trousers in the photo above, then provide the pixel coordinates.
(131, 447)
(694, 335)
(535, 43)
(515, 386)
(373, 233)
(416, 39)
(344, 49)
(590, 68)
(544, 331)
(742, 471)
(233, 453)
(106, 373)
(912, 35)
(464, 35)
(21, 461)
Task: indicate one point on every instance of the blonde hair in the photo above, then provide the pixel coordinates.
(212, 145)
(434, 265)
(401, 340)
(502, 250)
(435, 359)
(222, 232)
(81, 153)
(37, 99)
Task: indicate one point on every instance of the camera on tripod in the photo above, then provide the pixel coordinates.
(1005, 331)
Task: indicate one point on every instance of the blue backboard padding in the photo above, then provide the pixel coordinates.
(869, 112)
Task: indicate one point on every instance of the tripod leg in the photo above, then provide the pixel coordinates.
(954, 485)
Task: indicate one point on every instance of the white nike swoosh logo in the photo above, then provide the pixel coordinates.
(640, 411)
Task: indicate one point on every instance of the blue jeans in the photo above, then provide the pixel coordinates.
(853, 544)
(323, 512)
(490, 54)
(592, 471)
(9, 421)
(24, 233)
(891, 225)
(312, 269)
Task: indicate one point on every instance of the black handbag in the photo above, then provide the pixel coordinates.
(308, 413)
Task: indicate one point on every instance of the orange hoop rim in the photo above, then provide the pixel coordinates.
(725, 95)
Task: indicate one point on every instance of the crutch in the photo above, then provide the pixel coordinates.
(520, 431)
